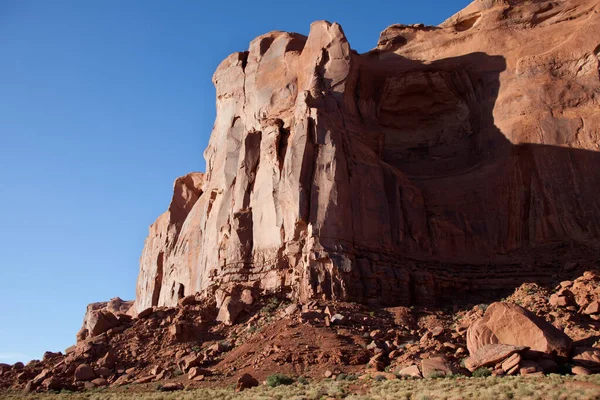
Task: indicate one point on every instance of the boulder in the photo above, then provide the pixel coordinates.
(490, 355)
(229, 310)
(563, 298)
(52, 383)
(189, 361)
(187, 300)
(108, 360)
(194, 372)
(145, 313)
(171, 387)
(411, 371)
(437, 366)
(513, 325)
(99, 382)
(592, 308)
(528, 367)
(103, 372)
(244, 382)
(579, 370)
(246, 297)
(100, 322)
(84, 372)
(39, 378)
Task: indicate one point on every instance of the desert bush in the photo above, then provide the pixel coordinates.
(278, 380)
(482, 372)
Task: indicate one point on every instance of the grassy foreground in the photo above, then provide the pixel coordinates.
(493, 388)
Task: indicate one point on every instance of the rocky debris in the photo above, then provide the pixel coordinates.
(189, 361)
(511, 324)
(372, 341)
(245, 381)
(101, 317)
(492, 354)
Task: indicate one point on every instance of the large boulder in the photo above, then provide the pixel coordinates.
(437, 365)
(511, 324)
(230, 310)
(84, 372)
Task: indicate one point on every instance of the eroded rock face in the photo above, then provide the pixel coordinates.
(102, 316)
(443, 159)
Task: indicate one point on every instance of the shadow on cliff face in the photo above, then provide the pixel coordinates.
(497, 214)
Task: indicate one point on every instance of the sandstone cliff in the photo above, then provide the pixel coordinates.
(453, 157)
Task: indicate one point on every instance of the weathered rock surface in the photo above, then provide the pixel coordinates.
(436, 366)
(491, 354)
(100, 317)
(588, 357)
(444, 158)
(510, 324)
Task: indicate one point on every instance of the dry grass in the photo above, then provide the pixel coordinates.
(550, 387)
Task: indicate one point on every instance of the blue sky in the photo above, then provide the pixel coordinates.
(102, 105)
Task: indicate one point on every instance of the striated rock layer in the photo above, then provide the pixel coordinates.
(457, 157)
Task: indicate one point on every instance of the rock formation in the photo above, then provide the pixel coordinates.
(462, 156)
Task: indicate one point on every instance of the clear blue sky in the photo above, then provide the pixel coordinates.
(102, 105)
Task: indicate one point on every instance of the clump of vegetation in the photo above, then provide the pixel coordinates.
(278, 380)
(346, 377)
(437, 375)
(483, 307)
(303, 380)
(271, 306)
(482, 372)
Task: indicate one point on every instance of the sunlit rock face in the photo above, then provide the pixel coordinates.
(447, 160)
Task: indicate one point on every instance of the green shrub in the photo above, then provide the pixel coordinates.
(482, 372)
(437, 375)
(278, 380)
(303, 380)
(271, 306)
